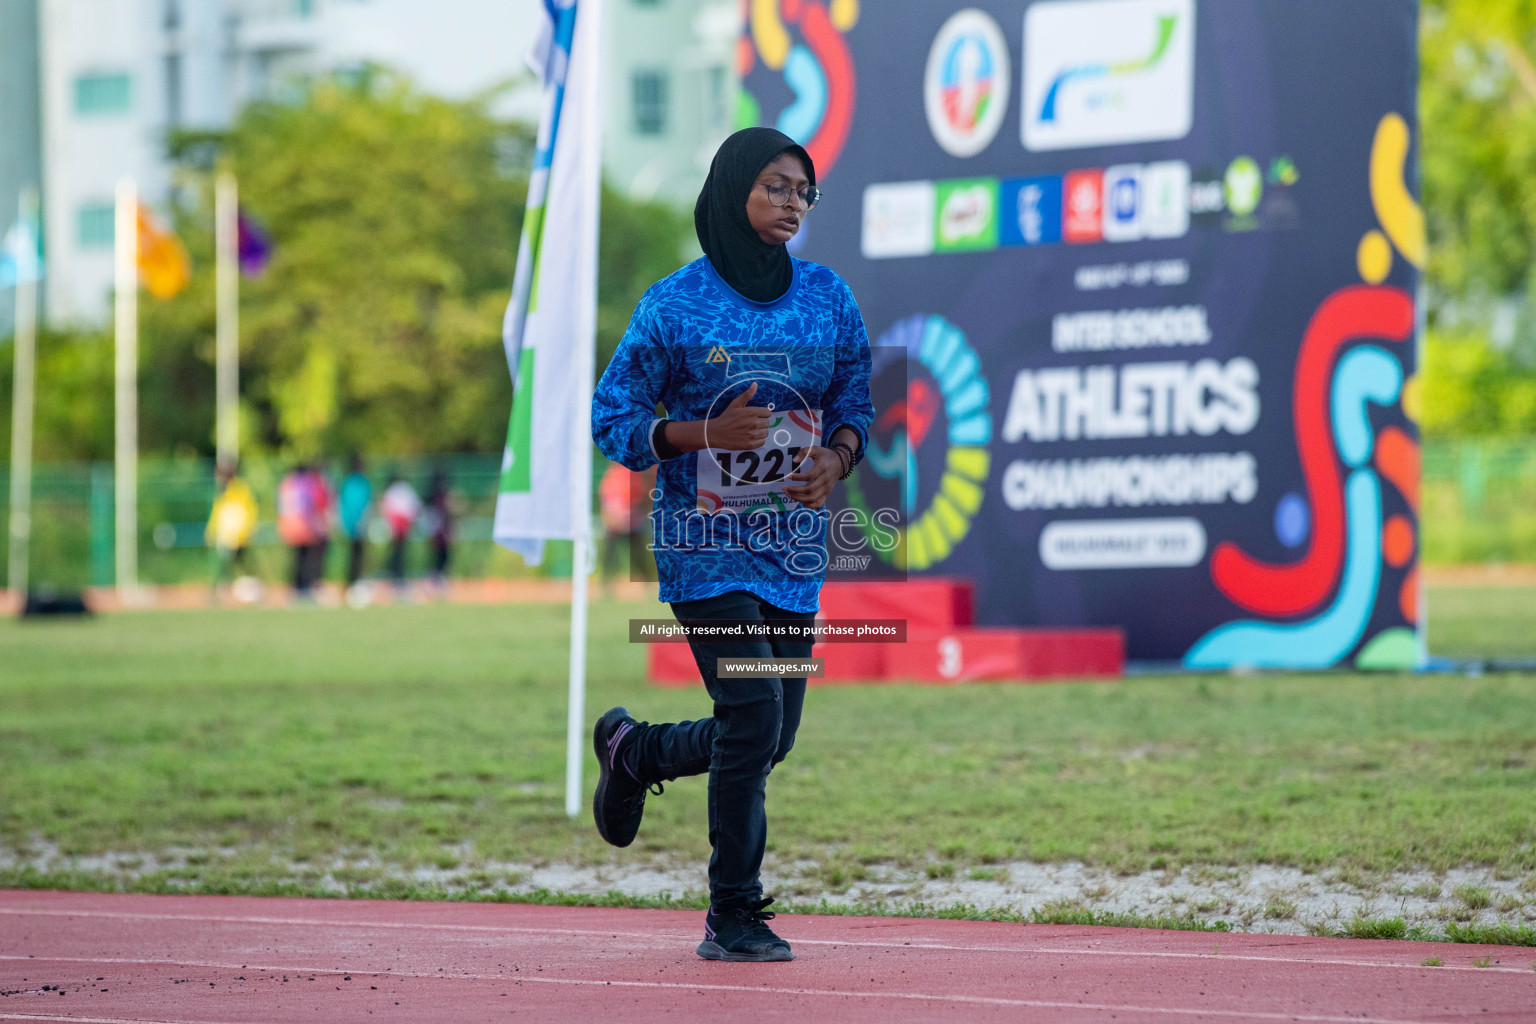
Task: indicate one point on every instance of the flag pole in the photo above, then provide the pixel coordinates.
(126, 448)
(589, 21)
(24, 390)
(227, 343)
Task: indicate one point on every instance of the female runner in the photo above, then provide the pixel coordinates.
(762, 364)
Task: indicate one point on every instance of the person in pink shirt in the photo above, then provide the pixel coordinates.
(400, 506)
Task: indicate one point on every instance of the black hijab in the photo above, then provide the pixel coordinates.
(754, 268)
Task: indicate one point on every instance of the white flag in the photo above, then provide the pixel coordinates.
(549, 330)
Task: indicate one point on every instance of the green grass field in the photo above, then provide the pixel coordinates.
(265, 745)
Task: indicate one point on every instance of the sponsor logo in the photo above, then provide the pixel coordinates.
(898, 220)
(1247, 195)
(1030, 211)
(1279, 209)
(1122, 203)
(1165, 199)
(967, 217)
(1243, 186)
(1207, 198)
(1084, 219)
(717, 355)
(1099, 72)
(965, 86)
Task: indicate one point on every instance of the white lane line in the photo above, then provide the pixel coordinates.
(96, 1020)
(677, 986)
(682, 936)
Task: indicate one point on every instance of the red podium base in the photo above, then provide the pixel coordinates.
(943, 645)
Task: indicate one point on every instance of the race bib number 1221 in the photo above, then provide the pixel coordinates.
(741, 481)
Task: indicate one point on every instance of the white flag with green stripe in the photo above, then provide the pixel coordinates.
(545, 491)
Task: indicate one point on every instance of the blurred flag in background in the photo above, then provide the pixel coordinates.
(163, 264)
(21, 257)
(255, 246)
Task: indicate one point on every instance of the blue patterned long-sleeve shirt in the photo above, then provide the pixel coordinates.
(721, 522)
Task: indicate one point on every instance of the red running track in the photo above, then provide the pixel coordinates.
(222, 960)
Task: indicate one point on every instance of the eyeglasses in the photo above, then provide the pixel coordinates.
(778, 194)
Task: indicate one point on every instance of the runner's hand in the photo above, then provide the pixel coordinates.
(819, 479)
(741, 427)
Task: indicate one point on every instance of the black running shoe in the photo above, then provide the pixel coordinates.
(742, 933)
(619, 802)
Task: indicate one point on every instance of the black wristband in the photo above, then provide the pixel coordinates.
(855, 455)
(845, 449)
(664, 449)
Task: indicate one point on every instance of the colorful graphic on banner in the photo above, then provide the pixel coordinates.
(1352, 544)
(948, 401)
(1185, 292)
(801, 42)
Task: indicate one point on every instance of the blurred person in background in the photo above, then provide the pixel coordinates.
(353, 507)
(295, 525)
(441, 511)
(624, 500)
(230, 526)
(400, 507)
(321, 509)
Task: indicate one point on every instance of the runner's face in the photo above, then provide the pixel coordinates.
(776, 225)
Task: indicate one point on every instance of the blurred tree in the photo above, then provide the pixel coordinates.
(394, 225)
(74, 390)
(1471, 388)
(393, 222)
(394, 218)
(641, 244)
(1478, 110)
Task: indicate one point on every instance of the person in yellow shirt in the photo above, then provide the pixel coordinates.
(230, 527)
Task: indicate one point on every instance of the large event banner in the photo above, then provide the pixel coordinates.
(1149, 268)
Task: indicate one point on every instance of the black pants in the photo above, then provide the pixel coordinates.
(753, 729)
(314, 571)
(356, 549)
(301, 562)
(397, 561)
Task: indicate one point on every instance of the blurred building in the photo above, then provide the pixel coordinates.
(21, 146)
(669, 93)
(114, 78)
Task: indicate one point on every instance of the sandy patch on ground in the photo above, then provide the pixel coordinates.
(1255, 899)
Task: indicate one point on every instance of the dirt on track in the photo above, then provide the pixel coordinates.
(115, 959)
